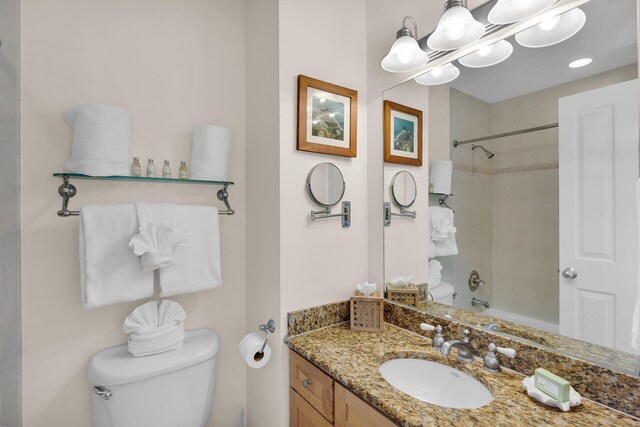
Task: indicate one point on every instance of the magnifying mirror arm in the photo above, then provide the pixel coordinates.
(326, 213)
(405, 213)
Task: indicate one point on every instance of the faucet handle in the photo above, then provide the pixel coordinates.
(466, 333)
(509, 352)
(427, 327)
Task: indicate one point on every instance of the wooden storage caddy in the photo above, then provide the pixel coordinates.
(367, 313)
(408, 296)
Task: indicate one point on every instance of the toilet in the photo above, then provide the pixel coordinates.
(443, 293)
(169, 389)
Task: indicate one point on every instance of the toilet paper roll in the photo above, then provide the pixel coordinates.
(441, 172)
(250, 347)
(210, 152)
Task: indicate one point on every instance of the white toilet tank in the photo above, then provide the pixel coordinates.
(443, 293)
(163, 390)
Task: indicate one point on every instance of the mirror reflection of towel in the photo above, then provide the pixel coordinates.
(442, 233)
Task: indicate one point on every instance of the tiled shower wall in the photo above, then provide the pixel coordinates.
(10, 326)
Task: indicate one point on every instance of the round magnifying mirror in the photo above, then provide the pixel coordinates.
(325, 184)
(403, 189)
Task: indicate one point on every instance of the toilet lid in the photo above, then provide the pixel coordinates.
(116, 365)
(444, 290)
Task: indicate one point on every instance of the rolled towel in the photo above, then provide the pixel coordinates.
(155, 327)
(101, 139)
(109, 272)
(435, 277)
(441, 172)
(210, 153)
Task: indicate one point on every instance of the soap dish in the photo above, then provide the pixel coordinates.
(574, 397)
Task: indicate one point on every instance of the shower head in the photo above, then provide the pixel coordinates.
(487, 152)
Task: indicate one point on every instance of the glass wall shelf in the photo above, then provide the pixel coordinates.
(68, 190)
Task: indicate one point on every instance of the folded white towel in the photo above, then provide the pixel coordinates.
(155, 327)
(574, 397)
(196, 266)
(101, 137)
(443, 219)
(635, 327)
(109, 272)
(210, 152)
(158, 237)
(434, 277)
(441, 172)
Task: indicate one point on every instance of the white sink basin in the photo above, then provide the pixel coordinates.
(435, 383)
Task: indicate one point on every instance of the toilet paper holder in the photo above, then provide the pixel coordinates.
(269, 327)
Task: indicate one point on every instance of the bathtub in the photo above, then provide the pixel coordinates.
(522, 320)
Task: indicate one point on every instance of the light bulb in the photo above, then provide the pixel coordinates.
(403, 57)
(485, 51)
(455, 31)
(549, 23)
(521, 4)
(436, 72)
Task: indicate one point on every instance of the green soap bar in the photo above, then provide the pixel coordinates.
(553, 385)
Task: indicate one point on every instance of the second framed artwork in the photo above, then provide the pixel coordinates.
(402, 134)
(327, 118)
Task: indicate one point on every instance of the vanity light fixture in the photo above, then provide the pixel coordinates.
(405, 54)
(553, 30)
(580, 62)
(439, 76)
(456, 28)
(508, 11)
(489, 55)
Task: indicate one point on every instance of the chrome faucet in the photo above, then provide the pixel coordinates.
(465, 349)
(475, 301)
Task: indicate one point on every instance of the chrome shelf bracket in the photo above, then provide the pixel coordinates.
(442, 201)
(326, 213)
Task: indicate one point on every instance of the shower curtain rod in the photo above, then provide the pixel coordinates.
(503, 135)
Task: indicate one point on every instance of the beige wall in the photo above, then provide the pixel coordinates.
(172, 65)
(265, 394)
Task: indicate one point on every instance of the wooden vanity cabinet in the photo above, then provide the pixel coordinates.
(317, 401)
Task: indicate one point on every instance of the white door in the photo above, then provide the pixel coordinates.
(598, 155)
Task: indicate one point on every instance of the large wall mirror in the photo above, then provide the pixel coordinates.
(546, 215)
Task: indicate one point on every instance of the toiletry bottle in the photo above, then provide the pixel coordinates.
(166, 170)
(151, 169)
(183, 173)
(136, 169)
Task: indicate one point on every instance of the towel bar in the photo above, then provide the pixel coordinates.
(68, 190)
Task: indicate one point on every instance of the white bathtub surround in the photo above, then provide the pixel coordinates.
(158, 237)
(109, 272)
(441, 173)
(101, 139)
(155, 327)
(435, 276)
(635, 328)
(197, 265)
(522, 320)
(443, 232)
(210, 152)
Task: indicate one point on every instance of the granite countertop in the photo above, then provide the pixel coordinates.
(353, 358)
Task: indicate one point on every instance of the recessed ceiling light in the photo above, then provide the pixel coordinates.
(580, 62)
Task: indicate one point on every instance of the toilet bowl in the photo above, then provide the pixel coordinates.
(169, 389)
(443, 293)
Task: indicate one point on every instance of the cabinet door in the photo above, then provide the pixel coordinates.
(351, 411)
(312, 384)
(302, 414)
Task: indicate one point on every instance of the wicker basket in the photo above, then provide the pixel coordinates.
(367, 313)
(408, 296)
